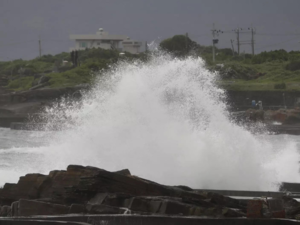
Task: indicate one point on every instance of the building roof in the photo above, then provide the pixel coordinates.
(98, 37)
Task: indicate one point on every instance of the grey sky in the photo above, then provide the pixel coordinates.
(22, 21)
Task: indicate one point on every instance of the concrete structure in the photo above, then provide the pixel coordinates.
(103, 39)
(232, 193)
(138, 220)
(131, 46)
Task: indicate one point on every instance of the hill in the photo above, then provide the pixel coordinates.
(58, 71)
(273, 70)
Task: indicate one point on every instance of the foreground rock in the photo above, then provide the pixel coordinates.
(95, 191)
(90, 190)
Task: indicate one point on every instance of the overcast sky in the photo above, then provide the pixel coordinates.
(22, 21)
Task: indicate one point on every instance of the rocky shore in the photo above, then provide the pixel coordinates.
(93, 191)
(20, 107)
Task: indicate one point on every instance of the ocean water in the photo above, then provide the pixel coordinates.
(164, 120)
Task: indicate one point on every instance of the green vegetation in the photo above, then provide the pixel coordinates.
(20, 84)
(24, 74)
(179, 45)
(274, 70)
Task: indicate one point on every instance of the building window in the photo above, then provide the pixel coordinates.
(98, 43)
(83, 44)
(106, 41)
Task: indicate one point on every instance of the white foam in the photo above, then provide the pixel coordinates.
(166, 121)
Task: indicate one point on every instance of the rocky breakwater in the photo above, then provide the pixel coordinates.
(90, 190)
(281, 121)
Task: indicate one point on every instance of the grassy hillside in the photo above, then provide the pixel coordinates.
(273, 70)
(54, 73)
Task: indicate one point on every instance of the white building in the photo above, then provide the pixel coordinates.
(106, 41)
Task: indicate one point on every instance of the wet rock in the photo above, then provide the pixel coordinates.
(184, 188)
(77, 208)
(35, 186)
(221, 200)
(140, 204)
(124, 172)
(118, 200)
(109, 193)
(57, 181)
(174, 208)
(30, 208)
(27, 188)
(5, 211)
(104, 209)
(198, 202)
(98, 198)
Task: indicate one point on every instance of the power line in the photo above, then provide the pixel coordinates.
(266, 46)
(270, 34)
(16, 43)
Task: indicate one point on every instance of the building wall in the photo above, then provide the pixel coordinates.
(131, 48)
(105, 44)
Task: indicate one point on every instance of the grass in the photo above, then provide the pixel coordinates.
(21, 84)
(280, 69)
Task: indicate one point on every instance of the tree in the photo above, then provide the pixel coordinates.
(179, 45)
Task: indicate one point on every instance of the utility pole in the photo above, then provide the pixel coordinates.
(238, 39)
(232, 47)
(213, 41)
(40, 47)
(252, 40)
(249, 30)
(215, 33)
(146, 47)
(186, 41)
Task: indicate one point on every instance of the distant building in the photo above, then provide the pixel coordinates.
(131, 46)
(106, 41)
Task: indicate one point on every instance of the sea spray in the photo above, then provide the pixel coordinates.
(166, 120)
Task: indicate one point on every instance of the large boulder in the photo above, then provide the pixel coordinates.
(30, 208)
(27, 188)
(96, 191)
(5, 211)
(34, 186)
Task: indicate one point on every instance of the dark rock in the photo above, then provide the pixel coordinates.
(77, 208)
(221, 200)
(198, 202)
(98, 199)
(142, 204)
(30, 208)
(104, 209)
(174, 208)
(27, 188)
(124, 172)
(184, 188)
(34, 186)
(226, 212)
(118, 200)
(5, 211)
(109, 193)
(58, 180)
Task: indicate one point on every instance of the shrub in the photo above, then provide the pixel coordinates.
(293, 66)
(280, 86)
